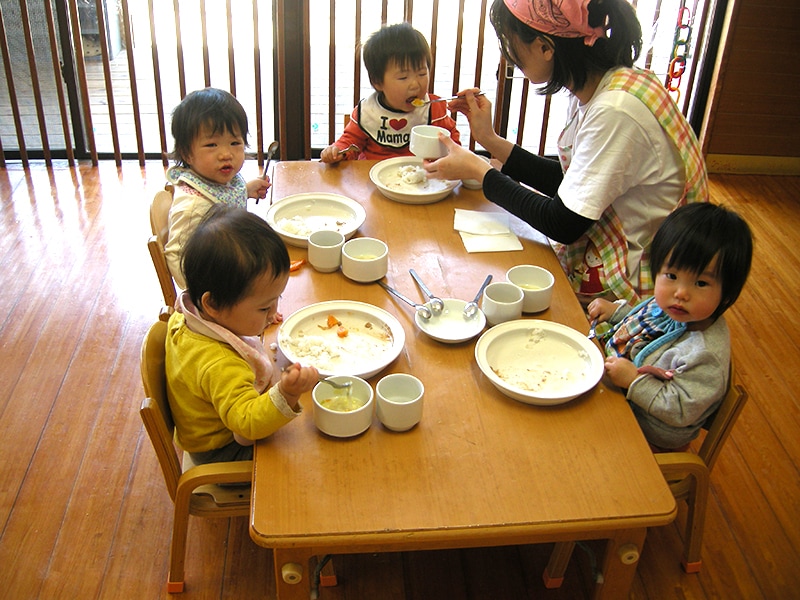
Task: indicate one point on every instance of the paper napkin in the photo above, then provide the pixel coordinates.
(485, 232)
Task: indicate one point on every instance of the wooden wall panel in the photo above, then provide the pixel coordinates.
(755, 97)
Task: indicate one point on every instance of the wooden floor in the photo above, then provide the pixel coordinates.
(83, 509)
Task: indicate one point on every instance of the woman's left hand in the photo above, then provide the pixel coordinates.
(459, 163)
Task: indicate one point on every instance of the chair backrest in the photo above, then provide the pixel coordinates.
(155, 411)
(159, 213)
(720, 423)
(159, 225)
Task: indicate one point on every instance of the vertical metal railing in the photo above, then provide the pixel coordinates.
(118, 106)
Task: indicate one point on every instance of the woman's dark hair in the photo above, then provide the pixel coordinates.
(230, 248)
(692, 235)
(573, 60)
(210, 107)
(400, 43)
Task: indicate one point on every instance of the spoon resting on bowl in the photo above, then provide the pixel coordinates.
(436, 303)
(471, 309)
(423, 311)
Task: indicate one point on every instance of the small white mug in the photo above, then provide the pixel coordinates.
(325, 250)
(536, 284)
(399, 401)
(502, 301)
(424, 142)
(365, 259)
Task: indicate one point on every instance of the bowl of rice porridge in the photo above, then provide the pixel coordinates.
(342, 337)
(404, 180)
(539, 362)
(296, 217)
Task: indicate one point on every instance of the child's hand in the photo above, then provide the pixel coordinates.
(295, 381)
(332, 154)
(601, 309)
(621, 371)
(257, 188)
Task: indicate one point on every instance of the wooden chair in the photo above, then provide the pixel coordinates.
(688, 476)
(194, 490)
(159, 225)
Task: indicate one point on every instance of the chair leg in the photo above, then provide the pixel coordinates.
(554, 572)
(695, 523)
(177, 549)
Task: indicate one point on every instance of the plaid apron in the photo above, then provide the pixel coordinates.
(607, 235)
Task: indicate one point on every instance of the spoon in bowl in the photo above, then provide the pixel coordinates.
(471, 309)
(437, 304)
(424, 311)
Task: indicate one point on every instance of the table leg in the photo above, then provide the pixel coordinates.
(292, 573)
(619, 564)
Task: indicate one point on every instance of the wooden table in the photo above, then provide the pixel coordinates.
(480, 469)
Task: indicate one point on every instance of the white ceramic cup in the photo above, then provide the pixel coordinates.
(365, 259)
(399, 399)
(502, 301)
(425, 143)
(536, 284)
(325, 250)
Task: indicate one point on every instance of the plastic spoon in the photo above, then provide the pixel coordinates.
(437, 304)
(471, 309)
(424, 311)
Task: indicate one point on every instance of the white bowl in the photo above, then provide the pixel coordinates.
(539, 362)
(385, 176)
(365, 259)
(451, 326)
(328, 401)
(296, 217)
(375, 338)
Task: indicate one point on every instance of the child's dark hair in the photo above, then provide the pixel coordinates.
(692, 235)
(230, 248)
(573, 60)
(216, 109)
(399, 43)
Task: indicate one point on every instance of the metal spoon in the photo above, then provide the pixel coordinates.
(420, 102)
(471, 309)
(350, 148)
(336, 384)
(424, 311)
(273, 148)
(592, 330)
(437, 304)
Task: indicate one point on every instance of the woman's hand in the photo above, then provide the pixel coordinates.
(478, 111)
(459, 163)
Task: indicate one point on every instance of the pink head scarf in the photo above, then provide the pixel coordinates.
(562, 18)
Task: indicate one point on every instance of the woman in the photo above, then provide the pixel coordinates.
(627, 157)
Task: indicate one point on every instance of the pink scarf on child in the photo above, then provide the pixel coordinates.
(249, 348)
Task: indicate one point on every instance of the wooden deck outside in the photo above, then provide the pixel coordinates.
(83, 509)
